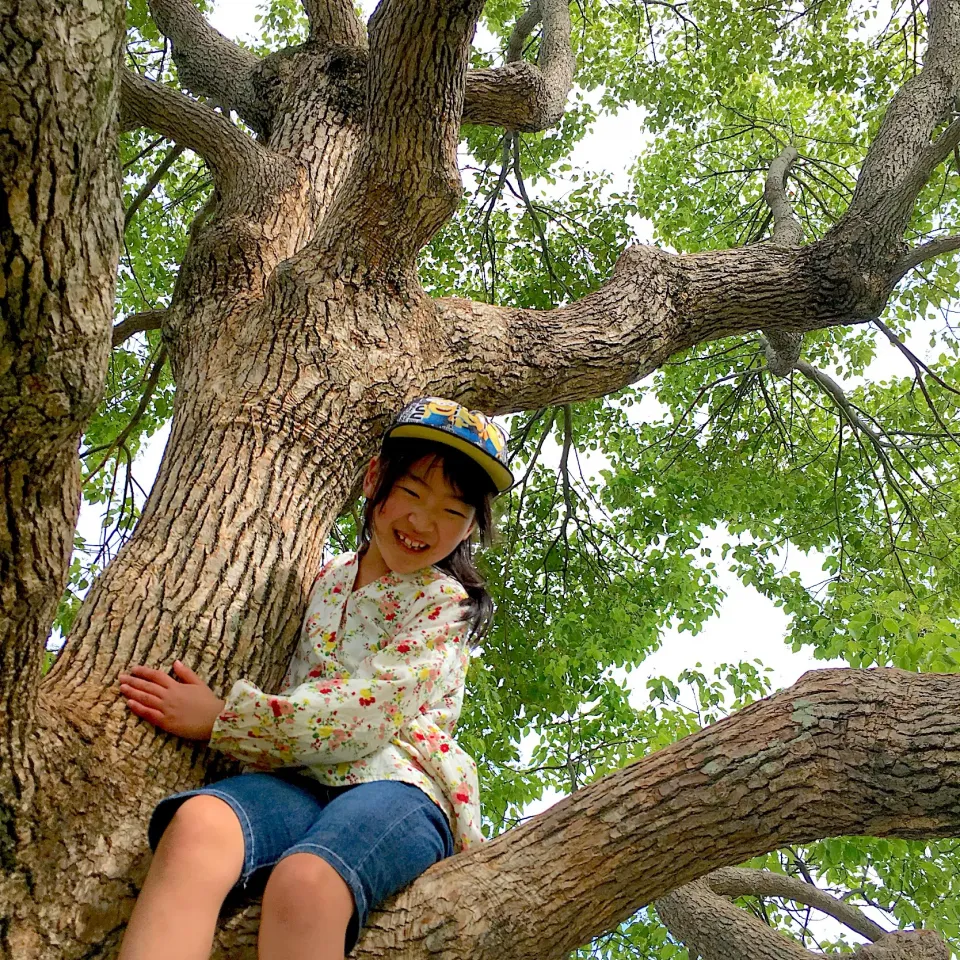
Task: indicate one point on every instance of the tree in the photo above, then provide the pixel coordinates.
(300, 321)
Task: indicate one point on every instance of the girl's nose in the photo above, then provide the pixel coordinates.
(419, 522)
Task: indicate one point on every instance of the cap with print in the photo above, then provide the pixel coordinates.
(469, 431)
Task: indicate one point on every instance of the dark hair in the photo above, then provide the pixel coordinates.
(472, 485)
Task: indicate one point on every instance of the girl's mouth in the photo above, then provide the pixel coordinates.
(409, 545)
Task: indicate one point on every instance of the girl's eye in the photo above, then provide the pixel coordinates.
(411, 492)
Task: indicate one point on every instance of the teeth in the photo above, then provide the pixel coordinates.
(409, 543)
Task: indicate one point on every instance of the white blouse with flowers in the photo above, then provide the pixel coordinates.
(372, 693)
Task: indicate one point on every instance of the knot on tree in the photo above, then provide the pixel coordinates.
(326, 73)
(782, 350)
(637, 255)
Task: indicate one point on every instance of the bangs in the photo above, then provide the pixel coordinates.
(469, 481)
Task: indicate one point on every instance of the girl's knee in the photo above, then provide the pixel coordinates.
(205, 835)
(302, 886)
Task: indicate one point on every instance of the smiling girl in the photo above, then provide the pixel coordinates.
(357, 783)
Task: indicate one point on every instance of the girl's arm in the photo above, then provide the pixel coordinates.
(334, 721)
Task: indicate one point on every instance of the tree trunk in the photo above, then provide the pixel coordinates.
(59, 246)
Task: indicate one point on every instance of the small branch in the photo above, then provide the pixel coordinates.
(521, 96)
(172, 155)
(137, 323)
(836, 393)
(334, 21)
(532, 213)
(226, 149)
(919, 367)
(741, 881)
(569, 508)
(120, 440)
(782, 346)
(926, 251)
(915, 361)
(210, 65)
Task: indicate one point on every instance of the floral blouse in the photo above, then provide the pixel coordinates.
(372, 693)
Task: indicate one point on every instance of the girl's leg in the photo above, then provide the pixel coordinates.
(197, 861)
(306, 909)
(368, 842)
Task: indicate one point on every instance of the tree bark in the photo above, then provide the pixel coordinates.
(840, 752)
(711, 927)
(60, 221)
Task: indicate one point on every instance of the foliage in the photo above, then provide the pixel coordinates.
(711, 468)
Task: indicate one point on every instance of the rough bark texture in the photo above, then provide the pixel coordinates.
(59, 245)
(701, 916)
(713, 928)
(297, 325)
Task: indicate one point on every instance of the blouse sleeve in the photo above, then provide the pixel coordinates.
(335, 721)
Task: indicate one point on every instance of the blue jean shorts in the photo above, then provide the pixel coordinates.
(378, 836)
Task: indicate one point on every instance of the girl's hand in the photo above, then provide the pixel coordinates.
(187, 708)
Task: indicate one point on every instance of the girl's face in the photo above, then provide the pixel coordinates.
(421, 522)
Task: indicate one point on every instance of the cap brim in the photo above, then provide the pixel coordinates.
(502, 478)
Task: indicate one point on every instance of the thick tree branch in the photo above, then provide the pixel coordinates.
(212, 66)
(226, 149)
(137, 323)
(59, 246)
(904, 152)
(405, 180)
(842, 752)
(700, 915)
(713, 928)
(741, 881)
(334, 21)
(655, 305)
(906, 945)
(521, 96)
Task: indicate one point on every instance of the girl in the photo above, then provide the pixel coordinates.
(367, 787)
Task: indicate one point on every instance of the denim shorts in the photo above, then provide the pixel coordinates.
(378, 836)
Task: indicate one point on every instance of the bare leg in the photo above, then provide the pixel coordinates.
(199, 858)
(306, 909)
